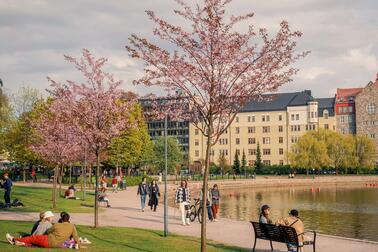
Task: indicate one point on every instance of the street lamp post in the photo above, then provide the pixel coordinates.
(165, 177)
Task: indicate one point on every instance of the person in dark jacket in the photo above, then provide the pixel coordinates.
(7, 185)
(154, 194)
(143, 191)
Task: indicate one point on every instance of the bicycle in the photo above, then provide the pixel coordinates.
(196, 211)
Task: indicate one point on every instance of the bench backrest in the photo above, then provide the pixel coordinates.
(275, 233)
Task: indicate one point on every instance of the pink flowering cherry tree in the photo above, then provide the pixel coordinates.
(55, 140)
(96, 107)
(217, 67)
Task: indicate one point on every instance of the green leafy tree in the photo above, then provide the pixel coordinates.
(364, 153)
(309, 152)
(236, 166)
(258, 161)
(5, 111)
(223, 163)
(244, 163)
(175, 155)
(133, 146)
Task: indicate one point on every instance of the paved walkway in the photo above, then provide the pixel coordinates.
(125, 212)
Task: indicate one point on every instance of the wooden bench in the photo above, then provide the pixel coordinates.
(282, 234)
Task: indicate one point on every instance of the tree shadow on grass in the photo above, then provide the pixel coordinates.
(113, 242)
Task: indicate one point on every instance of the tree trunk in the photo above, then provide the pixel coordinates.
(204, 191)
(96, 189)
(24, 174)
(90, 176)
(70, 179)
(60, 180)
(56, 170)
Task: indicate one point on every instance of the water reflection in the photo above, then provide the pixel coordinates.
(349, 211)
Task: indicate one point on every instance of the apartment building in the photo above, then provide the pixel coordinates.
(275, 123)
(366, 104)
(345, 110)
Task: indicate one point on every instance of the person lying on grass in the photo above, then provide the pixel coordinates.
(57, 235)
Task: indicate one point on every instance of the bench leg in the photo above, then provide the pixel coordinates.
(254, 245)
(271, 245)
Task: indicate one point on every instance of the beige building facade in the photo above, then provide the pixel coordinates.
(275, 124)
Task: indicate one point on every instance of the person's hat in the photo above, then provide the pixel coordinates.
(48, 214)
(5, 175)
(294, 212)
(264, 207)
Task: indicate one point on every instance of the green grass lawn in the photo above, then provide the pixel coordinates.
(39, 199)
(116, 239)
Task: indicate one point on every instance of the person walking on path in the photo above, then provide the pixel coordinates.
(143, 191)
(115, 184)
(208, 204)
(7, 185)
(215, 200)
(34, 176)
(154, 194)
(57, 235)
(264, 215)
(183, 199)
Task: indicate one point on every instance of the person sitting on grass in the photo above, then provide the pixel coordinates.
(293, 221)
(70, 193)
(57, 235)
(45, 224)
(264, 215)
(35, 226)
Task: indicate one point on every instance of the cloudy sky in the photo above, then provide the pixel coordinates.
(342, 36)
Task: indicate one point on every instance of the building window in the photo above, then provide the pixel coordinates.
(292, 117)
(253, 118)
(266, 151)
(266, 129)
(281, 162)
(280, 140)
(196, 132)
(340, 110)
(279, 117)
(342, 119)
(371, 108)
(196, 153)
(294, 139)
(326, 126)
(196, 142)
(266, 162)
(237, 119)
(372, 136)
(238, 152)
(280, 128)
(249, 119)
(263, 118)
(325, 114)
(212, 152)
(223, 152)
(344, 109)
(223, 141)
(237, 130)
(350, 109)
(267, 118)
(251, 140)
(237, 140)
(251, 129)
(297, 117)
(280, 151)
(266, 140)
(251, 152)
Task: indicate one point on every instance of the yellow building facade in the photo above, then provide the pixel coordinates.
(275, 124)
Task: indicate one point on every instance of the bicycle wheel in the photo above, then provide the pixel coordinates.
(199, 214)
(193, 214)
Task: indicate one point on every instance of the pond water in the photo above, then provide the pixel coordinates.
(348, 211)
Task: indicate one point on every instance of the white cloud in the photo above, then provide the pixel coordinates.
(362, 57)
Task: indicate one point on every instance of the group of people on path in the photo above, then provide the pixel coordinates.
(152, 191)
(182, 198)
(47, 234)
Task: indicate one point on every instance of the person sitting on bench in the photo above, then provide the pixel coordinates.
(293, 221)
